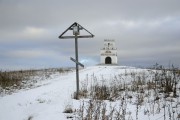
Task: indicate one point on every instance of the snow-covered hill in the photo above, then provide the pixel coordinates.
(48, 101)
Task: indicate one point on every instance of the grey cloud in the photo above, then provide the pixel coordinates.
(145, 31)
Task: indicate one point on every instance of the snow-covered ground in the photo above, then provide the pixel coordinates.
(48, 101)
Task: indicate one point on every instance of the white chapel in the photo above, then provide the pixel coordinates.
(108, 54)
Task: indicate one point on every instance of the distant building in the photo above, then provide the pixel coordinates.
(108, 53)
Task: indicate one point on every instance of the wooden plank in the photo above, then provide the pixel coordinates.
(76, 62)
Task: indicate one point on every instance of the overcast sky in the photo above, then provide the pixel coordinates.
(145, 32)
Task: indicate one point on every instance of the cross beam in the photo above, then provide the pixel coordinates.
(76, 62)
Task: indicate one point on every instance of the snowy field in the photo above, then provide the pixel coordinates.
(49, 100)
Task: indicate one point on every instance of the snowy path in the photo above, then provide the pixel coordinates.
(45, 102)
(48, 102)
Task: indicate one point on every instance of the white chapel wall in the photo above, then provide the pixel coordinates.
(109, 50)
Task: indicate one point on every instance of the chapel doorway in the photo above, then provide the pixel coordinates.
(108, 60)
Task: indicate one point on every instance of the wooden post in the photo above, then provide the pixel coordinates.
(77, 68)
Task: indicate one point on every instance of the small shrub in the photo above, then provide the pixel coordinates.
(157, 98)
(30, 117)
(82, 94)
(178, 116)
(41, 100)
(68, 109)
